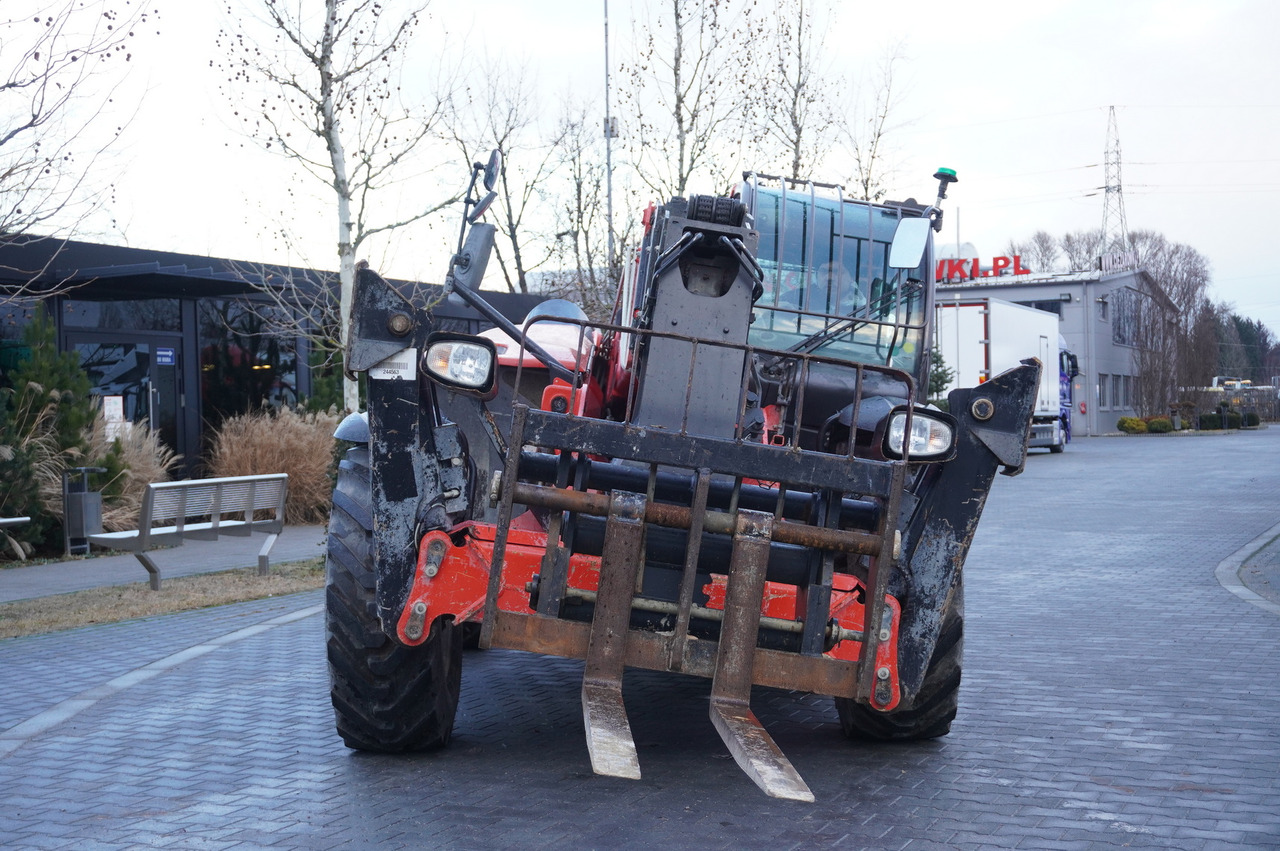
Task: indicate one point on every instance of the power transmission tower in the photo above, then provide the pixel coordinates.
(1115, 230)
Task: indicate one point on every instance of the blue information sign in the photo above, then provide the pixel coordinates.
(166, 356)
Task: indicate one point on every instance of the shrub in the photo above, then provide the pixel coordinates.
(47, 377)
(1131, 425)
(18, 488)
(32, 465)
(1233, 419)
(1159, 425)
(1210, 421)
(1251, 420)
(45, 418)
(284, 441)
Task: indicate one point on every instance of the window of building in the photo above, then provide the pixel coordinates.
(1104, 382)
(15, 315)
(1103, 306)
(1125, 319)
(143, 314)
(248, 357)
(1054, 307)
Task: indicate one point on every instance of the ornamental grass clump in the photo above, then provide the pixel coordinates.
(283, 441)
(134, 458)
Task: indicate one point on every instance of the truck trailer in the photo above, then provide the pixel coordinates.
(979, 338)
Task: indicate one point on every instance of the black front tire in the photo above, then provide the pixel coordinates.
(935, 705)
(386, 697)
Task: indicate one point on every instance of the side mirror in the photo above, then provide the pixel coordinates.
(492, 168)
(909, 242)
(469, 263)
(481, 207)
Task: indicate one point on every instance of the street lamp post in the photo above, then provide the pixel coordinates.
(608, 139)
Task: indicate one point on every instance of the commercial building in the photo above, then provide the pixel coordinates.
(1101, 315)
(180, 342)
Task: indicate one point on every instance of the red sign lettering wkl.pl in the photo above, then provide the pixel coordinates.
(949, 269)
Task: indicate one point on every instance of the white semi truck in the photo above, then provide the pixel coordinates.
(979, 338)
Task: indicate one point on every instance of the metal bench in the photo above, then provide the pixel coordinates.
(5, 523)
(204, 510)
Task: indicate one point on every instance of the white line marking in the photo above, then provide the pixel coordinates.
(19, 734)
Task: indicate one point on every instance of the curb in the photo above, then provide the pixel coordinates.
(1228, 571)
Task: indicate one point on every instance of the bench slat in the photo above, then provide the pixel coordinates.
(215, 507)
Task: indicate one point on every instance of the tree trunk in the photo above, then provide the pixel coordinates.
(342, 187)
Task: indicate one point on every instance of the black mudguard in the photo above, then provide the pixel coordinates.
(994, 426)
(403, 450)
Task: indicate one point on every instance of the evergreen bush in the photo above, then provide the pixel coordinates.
(19, 493)
(1131, 425)
(48, 413)
(49, 423)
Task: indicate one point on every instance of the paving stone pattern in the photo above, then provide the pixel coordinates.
(1115, 696)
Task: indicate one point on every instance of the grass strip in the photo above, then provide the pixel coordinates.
(114, 603)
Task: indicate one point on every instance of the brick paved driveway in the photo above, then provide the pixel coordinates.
(1115, 696)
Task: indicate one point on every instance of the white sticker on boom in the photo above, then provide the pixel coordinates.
(403, 364)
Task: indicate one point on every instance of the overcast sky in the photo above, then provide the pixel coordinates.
(1012, 95)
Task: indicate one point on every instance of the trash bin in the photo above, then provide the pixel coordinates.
(81, 509)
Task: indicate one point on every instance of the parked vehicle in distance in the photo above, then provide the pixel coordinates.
(981, 337)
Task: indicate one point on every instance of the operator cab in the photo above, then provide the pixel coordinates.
(829, 287)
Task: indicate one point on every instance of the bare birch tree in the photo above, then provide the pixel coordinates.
(1043, 252)
(873, 121)
(60, 65)
(796, 101)
(1156, 352)
(1187, 355)
(685, 90)
(1081, 249)
(504, 115)
(585, 272)
(1040, 253)
(332, 103)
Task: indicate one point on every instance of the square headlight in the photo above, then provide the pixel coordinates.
(932, 435)
(463, 363)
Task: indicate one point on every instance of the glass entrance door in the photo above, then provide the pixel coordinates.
(136, 379)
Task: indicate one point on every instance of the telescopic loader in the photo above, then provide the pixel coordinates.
(735, 478)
